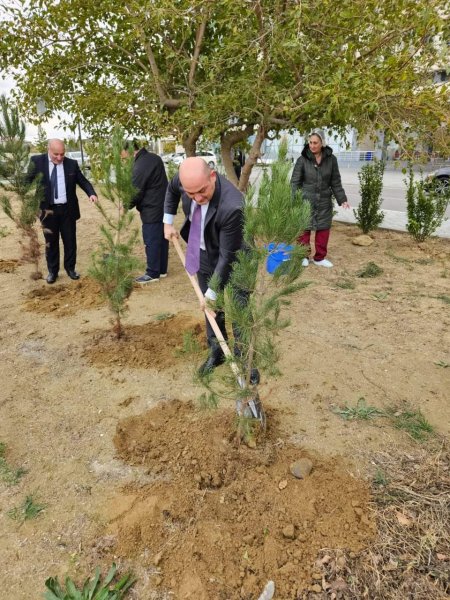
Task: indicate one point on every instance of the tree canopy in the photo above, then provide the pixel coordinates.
(228, 68)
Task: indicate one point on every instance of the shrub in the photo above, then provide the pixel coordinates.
(368, 214)
(425, 205)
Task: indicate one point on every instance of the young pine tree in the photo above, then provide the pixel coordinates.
(368, 214)
(24, 209)
(113, 264)
(425, 206)
(253, 300)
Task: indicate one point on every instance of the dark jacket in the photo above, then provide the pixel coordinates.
(223, 232)
(317, 183)
(149, 177)
(73, 176)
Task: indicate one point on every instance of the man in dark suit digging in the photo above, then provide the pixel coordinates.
(59, 177)
(213, 229)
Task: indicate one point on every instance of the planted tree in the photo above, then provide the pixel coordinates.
(253, 300)
(21, 200)
(426, 204)
(113, 264)
(368, 214)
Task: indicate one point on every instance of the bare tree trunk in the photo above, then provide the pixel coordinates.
(253, 156)
(190, 139)
(227, 141)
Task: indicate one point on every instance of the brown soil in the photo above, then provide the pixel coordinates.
(385, 339)
(157, 344)
(219, 521)
(8, 266)
(61, 300)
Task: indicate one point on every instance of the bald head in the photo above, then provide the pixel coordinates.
(197, 179)
(56, 150)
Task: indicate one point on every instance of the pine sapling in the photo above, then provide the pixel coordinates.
(253, 300)
(24, 209)
(368, 214)
(113, 264)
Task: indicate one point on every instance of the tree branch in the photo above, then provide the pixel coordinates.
(198, 44)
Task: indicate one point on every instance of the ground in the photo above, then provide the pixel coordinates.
(131, 470)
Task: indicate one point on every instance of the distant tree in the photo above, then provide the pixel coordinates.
(41, 142)
(21, 200)
(113, 263)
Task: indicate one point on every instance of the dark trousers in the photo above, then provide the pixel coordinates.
(55, 223)
(203, 276)
(156, 249)
(320, 242)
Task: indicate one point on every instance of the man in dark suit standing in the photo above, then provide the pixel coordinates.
(214, 205)
(150, 179)
(59, 177)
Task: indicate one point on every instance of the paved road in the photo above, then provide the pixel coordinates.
(394, 198)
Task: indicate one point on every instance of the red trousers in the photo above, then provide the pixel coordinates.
(320, 241)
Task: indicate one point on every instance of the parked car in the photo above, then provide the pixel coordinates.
(76, 155)
(208, 156)
(440, 179)
(172, 157)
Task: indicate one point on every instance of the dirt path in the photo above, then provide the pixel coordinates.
(66, 395)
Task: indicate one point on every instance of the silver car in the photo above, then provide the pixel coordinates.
(440, 179)
(76, 155)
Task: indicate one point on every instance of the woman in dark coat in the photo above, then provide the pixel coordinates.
(316, 174)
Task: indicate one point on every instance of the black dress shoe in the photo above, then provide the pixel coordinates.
(73, 274)
(254, 377)
(51, 277)
(214, 360)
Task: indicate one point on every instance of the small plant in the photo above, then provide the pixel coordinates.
(370, 270)
(9, 475)
(345, 284)
(163, 316)
(113, 264)
(190, 344)
(442, 364)
(380, 477)
(93, 589)
(14, 158)
(425, 206)
(380, 296)
(29, 509)
(360, 412)
(368, 214)
(444, 298)
(411, 421)
(4, 231)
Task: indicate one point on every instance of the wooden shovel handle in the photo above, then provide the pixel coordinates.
(209, 315)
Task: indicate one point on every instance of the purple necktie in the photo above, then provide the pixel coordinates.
(193, 247)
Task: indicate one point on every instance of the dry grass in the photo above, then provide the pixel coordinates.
(410, 557)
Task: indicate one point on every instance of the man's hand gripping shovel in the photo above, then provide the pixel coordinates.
(249, 406)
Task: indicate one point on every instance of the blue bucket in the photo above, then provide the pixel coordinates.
(279, 253)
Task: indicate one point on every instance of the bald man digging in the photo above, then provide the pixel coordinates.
(59, 177)
(213, 209)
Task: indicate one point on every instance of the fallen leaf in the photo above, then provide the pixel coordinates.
(402, 519)
(440, 556)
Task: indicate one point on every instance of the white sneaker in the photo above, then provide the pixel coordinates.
(305, 262)
(323, 263)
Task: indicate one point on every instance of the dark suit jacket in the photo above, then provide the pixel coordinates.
(73, 176)
(150, 179)
(223, 223)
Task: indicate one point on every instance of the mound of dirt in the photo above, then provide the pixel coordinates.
(8, 266)
(221, 520)
(62, 300)
(157, 344)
